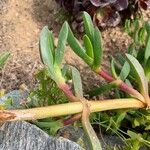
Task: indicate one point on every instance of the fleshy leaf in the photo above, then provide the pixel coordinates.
(3, 57)
(147, 69)
(88, 46)
(141, 35)
(46, 43)
(147, 51)
(93, 141)
(77, 48)
(61, 44)
(120, 58)
(77, 82)
(147, 26)
(113, 70)
(139, 73)
(124, 71)
(98, 50)
(127, 26)
(136, 30)
(88, 25)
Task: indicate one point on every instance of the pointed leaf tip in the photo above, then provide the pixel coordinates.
(62, 39)
(46, 45)
(98, 50)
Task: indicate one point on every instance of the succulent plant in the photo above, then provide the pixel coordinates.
(104, 12)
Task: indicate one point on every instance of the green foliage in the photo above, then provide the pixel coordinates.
(62, 38)
(139, 73)
(47, 92)
(102, 89)
(78, 49)
(51, 56)
(140, 48)
(130, 69)
(76, 78)
(92, 52)
(3, 58)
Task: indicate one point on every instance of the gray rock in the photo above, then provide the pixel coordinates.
(17, 97)
(25, 136)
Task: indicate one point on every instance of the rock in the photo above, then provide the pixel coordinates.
(25, 136)
(17, 97)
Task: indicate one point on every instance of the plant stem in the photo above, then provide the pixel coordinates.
(72, 119)
(93, 140)
(123, 86)
(66, 89)
(68, 109)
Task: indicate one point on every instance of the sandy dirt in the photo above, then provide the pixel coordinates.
(20, 24)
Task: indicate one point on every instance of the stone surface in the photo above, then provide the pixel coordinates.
(25, 136)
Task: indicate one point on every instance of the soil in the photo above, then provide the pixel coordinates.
(21, 23)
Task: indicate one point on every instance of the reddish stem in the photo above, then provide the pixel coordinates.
(105, 75)
(72, 119)
(67, 91)
(123, 86)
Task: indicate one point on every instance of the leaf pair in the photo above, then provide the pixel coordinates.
(52, 57)
(92, 52)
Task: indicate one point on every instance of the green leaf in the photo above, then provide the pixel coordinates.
(147, 26)
(136, 31)
(77, 82)
(139, 73)
(88, 46)
(140, 55)
(127, 26)
(93, 140)
(128, 82)
(120, 118)
(121, 59)
(147, 51)
(147, 69)
(132, 134)
(136, 123)
(62, 38)
(88, 25)
(54, 126)
(98, 50)
(102, 89)
(132, 50)
(113, 70)
(3, 58)
(141, 35)
(148, 127)
(46, 50)
(125, 71)
(77, 48)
